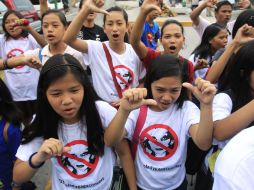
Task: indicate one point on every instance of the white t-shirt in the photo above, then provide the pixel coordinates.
(201, 72)
(203, 23)
(128, 68)
(235, 165)
(22, 80)
(161, 152)
(222, 107)
(46, 54)
(77, 169)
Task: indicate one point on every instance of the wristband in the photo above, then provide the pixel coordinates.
(32, 165)
(5, 64)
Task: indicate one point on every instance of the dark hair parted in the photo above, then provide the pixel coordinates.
(246, 17)
(204, 49)
(222, 3)
(237, 75)
(24, 33)
(8, 110)
(60, 15)
(168, 22)
(117, 9)
(46, 121)
(165, 66)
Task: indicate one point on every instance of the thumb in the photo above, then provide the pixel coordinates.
(188, 86)
(149, 102)
(66, 149)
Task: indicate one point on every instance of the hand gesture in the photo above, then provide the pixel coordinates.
(211, 3)
(203, 90)
(201, 64)
(150, 5)
(94, 6)
(32, 61)
(50, 147)
(134, 98)
(244, 34)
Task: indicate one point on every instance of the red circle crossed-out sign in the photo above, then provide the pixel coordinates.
(80, 163)
(13, 53)
(159, 142)
(124, 76)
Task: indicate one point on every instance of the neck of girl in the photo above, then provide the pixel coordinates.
(58, 48)
(117, 47)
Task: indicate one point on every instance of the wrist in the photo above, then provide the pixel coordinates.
(5, 64)
(34, 162)
(124, 112)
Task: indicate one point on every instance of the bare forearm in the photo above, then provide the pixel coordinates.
(115, 132)
(136, 34)
(22, 172)
(218, 67)
(39, 38)
(234, 123)
(75, 26)
(204, 133)
(196, 13)
(13, 62)
(124, 153)
(43, 7)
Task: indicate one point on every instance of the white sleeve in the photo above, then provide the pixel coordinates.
(130, 124)
(222, 106)
(92, 51)
(222, 183)
(191, 59)
(34, 52)
(106, 112)
(26, 150)
(191, 115)
(200, 28)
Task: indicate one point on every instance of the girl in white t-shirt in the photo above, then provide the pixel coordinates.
(54, 25)
(170, 120)
(68, 129)
(214, 37)
(126, 69)
(21, 80)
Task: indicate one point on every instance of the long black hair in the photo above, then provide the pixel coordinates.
(8, 110)
(204, 49)
(46, 121)
(246, 17)
(24, 33)
(165, 66)
(237, 75)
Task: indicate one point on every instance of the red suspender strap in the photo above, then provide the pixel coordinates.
(110, 64)
(139, 125)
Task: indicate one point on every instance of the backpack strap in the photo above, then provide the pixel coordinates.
(110, 64)
(40, 55)
(139, 125)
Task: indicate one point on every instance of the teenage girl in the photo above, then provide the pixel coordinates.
(54, 25)
(168, 122)
(68, 129)
(15, 41)
(214, 38)
(172, 38)
(126, 70)
(10, 135)
(241, 34)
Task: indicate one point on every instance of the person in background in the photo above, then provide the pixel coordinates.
(151, 32)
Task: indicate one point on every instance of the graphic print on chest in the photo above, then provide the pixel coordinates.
(78, 162)
(159, 142)
(124, 76)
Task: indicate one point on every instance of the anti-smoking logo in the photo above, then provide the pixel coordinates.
(78, 163)
(159, 142)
